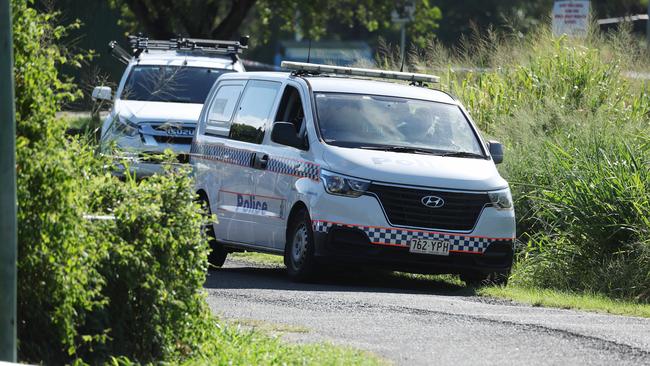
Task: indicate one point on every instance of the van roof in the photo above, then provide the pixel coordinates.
(353, 85)
(376, 87)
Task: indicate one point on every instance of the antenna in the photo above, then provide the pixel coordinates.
(309, 51)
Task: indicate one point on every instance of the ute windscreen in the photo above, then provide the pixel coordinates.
(176, 84)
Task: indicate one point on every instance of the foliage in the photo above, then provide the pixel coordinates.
(258, 258)
(57, 283)
(567, 300)
(222, 19)
(91, 289)
(39, 87)
(590, 230)
(155, 268)
(577, 135)
(230, 345)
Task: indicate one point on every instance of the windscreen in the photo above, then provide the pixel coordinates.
(177, 84)
(354, 120)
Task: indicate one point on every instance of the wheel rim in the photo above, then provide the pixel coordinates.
(299, 245)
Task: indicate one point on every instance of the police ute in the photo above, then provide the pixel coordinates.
(160, 96)
(335, 165)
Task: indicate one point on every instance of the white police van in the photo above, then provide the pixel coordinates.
(322, 166)
(160, 97)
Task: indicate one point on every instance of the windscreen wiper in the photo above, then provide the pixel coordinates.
(463, 154)
(401, 149)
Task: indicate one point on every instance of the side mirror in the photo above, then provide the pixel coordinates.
(496, 150)
(102, 93)
(285, 133)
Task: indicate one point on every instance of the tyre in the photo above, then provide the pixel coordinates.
(299, 249)
(479, 279)
(218, 254)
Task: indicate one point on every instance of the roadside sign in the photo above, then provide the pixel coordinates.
(571, 17)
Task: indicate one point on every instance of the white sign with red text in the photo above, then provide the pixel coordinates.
(571, 17)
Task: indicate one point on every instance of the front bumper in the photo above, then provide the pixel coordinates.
(342, 244)
(142, 155)
(356, 231)
(141, 168)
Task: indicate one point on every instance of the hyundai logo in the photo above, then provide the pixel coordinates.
(433, 201)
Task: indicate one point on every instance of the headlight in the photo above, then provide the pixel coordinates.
(126, 127)
(501, 200)
(342, 185)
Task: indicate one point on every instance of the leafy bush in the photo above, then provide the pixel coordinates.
(155, 268)
(577, 134)
(92, 289)
(57, 277)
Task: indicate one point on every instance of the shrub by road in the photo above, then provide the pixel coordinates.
(578, 159)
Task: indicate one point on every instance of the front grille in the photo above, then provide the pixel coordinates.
(404, 207)
(156, 157)
(173, 140)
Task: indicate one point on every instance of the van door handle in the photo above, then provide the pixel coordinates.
(260, 160)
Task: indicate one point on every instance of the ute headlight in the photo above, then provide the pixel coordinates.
(502, 199)
(126, 127)
(342, 185)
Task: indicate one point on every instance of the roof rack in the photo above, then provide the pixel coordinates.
(303, 68)
(140, 44)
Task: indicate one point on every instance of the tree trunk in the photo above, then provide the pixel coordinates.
(156, 25)
(231, 23)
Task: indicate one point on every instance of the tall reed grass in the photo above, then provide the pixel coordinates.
(577, 133)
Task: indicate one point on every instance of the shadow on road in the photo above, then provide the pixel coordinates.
(243, 275)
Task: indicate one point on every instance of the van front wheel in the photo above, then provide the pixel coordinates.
(299, 249)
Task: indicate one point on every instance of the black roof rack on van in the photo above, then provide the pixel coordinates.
(140, 44)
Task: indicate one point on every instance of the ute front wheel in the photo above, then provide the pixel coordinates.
(217, 255)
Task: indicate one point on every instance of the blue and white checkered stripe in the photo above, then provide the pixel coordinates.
(222, 153)
(322, 226)
(402, 237)
(294, 167)
(281, 165)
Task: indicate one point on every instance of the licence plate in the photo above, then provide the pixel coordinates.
(426, 246)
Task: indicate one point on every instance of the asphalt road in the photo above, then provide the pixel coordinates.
(416, 322)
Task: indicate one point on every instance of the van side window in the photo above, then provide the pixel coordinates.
(290, 109)
(254, 109)
(222, 108)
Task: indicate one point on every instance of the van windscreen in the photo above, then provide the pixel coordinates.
(176, 84)
(371, 121)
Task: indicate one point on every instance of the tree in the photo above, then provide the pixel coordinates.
(222, 19)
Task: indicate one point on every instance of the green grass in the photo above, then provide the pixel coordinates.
(79, 123)
(237, 344)
(525, 295)
(567, 300)
(269, 327)
(232, 345)
(258, 258)
(542, 297)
